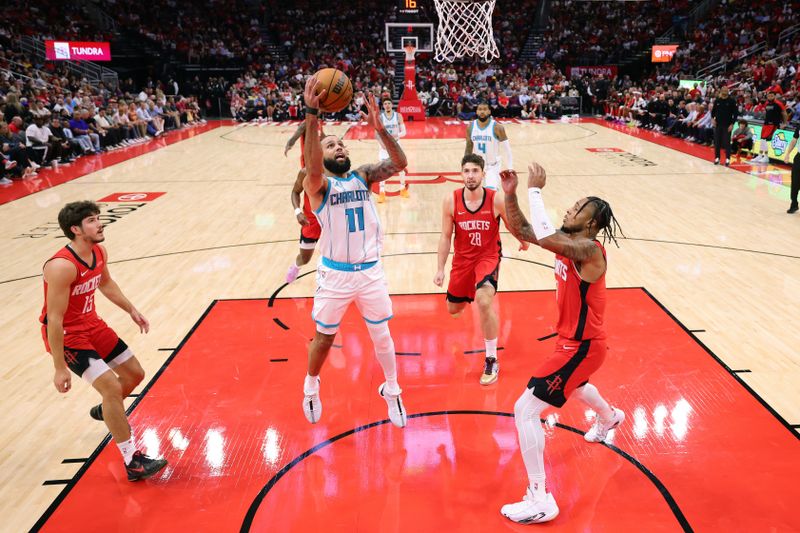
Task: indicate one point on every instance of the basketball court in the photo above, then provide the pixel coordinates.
(200, 236)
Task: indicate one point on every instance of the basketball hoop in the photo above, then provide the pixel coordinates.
(410, 51)
(465, 28)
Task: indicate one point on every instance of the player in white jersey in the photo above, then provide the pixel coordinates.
(484, 137)
(393, 122)
(350, 268)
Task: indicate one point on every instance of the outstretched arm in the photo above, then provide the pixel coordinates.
(500, 209)
(314, 183)
(514, 219)
(301, 129)
(545, 236)
(397, 158)
(468, 148)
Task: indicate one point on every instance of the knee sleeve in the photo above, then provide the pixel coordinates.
(381, 337)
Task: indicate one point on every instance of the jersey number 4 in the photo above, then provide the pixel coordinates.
(482, 148)
(352, 215)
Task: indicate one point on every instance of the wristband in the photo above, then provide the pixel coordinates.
(298, 210)
(312, 111)
(542, 227)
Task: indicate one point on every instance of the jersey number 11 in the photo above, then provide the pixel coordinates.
(351, 215)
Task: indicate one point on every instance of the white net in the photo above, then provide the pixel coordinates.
(465, 28)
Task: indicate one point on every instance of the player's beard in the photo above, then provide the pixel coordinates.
(472, 187)
(570, 230)
(335, 167)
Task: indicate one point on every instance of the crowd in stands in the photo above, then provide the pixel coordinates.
(313, 34)
(730, 29)
(215, 32)
(581, 32)
(49, 117)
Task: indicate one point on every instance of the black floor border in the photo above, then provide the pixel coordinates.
(728, 369)
(86, 465)
(662, 489)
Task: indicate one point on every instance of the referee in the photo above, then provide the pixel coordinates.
(723, 116)
(795, 171)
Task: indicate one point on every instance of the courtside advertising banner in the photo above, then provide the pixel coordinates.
(77, 51)
(776, 148)
(662, 53)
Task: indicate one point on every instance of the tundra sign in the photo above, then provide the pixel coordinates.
(77, 51)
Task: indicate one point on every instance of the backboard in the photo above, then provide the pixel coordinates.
(419, 34)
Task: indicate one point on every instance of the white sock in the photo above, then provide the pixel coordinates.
(311, 385)
(388, 362)
(591, 396)
(403, 179)
(127, 449)
(382, 186)
(764, 147)
(491, 347)
(531, 439)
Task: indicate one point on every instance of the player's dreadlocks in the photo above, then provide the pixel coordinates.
(605, 220)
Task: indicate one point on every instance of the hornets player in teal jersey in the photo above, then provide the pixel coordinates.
(485, 137)
(350, 268)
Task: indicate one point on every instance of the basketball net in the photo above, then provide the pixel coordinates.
(410, 51)
(465, 28)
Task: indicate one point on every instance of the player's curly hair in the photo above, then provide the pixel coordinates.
(73, 214)
(604, 219)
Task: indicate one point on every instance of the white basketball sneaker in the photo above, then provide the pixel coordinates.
(312, 405)
(291, 275)
(530, 510)
(397, 411)
(600, 429)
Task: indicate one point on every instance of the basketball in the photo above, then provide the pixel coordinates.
(340, 90)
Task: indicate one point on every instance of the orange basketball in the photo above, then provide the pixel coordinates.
(340, 90)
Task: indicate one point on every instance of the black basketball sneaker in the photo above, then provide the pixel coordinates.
(143, 467)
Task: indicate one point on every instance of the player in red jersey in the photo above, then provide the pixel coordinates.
(310, 230)
(80, 341)
(775, 117)
(580, 270)
(474, 212)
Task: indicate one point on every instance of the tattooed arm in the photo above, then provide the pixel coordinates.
(500, 209)
(397, 159)
(301, 130)
(515, 220)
